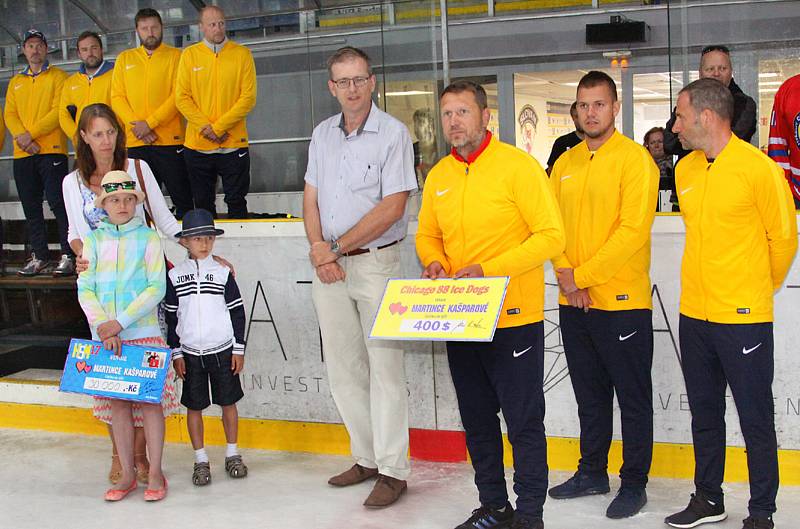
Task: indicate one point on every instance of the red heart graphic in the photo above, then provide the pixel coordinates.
(87, 368)
(80, 366)
(397, 308)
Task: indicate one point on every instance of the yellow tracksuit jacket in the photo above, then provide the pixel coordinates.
(32, 105)
(741, 234)
(80, 91)
(608, 202)
(497, 211)
(217, 89)
(143, 89)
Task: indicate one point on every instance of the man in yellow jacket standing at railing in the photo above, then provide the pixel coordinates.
(90, 84)
(143, 97)
(741, 237)
(607, 187)
(40, 150)
(215, 91)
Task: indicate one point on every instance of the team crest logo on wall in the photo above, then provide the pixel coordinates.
(528, 119)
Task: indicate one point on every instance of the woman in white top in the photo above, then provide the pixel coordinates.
(100, 148)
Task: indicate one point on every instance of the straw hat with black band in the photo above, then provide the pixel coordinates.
(115, 183)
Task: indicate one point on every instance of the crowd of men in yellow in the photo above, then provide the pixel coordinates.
(184, 113)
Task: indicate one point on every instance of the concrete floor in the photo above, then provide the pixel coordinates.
(57, 481)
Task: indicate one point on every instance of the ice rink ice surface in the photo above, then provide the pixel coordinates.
(54, 481)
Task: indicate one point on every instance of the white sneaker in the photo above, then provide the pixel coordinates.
(33, 266)
(66, 267)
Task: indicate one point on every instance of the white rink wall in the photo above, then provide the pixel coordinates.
(288, 380)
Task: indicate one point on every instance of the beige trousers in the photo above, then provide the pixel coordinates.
(366, 377)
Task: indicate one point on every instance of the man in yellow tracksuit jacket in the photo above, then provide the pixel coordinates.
(40, 150)
(90, 84)
(741, 237)
(216, 89)
(487, 210)
(143, 97)
(607, 187)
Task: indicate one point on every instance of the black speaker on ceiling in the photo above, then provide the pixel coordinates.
(617, 32)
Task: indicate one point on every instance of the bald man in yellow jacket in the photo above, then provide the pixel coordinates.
(607, 187)
(216, 89)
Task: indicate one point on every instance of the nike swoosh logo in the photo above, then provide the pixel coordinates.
(75, 87)
(623, 338)
(565, 177)
(197, 68)
(129, 66)
(179, 151)
(440, 193)
(241, 154)
(748, 351)
(687, 190)
(516, 354)
(18, 87)
(59, 163)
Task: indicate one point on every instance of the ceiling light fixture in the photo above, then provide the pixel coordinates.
(619, 59)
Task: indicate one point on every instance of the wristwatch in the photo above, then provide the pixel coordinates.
(336, 247)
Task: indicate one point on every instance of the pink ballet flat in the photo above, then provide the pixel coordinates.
(119, 494)
(156, 494)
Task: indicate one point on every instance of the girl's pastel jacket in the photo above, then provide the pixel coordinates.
(125, 280)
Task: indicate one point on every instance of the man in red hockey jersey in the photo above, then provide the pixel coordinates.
(784, 133)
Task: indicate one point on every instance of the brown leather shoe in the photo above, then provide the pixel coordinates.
(353, 475)
(387, 490)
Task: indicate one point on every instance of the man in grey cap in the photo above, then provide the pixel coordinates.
(40, 150)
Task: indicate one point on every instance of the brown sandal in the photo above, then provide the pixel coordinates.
(201, 475)
(235, 467)
(114, 475)
(142, 470)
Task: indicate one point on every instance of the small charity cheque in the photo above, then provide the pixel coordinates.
(137, 374)
(440, 309)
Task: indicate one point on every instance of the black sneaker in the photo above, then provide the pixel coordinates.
(757, 523)
(626, 503)
(526, 523)
(580, 484)
(699, 511)
(488, 518)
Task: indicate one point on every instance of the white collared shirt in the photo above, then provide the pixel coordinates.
(354, 172)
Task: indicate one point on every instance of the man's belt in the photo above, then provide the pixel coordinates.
(359, 251)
